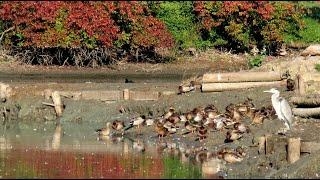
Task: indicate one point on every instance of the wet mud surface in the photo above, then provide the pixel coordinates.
(82, 117)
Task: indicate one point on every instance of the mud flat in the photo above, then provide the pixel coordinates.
(26, 107)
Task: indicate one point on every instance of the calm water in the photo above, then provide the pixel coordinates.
(44, 150)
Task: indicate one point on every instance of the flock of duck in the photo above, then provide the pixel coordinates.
(199, 122)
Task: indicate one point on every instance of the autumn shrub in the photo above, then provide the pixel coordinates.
(240, 24)
(83, 28)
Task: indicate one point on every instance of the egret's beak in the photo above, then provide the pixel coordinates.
(267, 91)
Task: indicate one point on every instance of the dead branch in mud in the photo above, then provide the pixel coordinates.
(57, 103)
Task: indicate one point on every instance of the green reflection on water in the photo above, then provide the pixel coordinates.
(174, 169)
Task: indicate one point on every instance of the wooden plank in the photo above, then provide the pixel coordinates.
(217, 87)
(310, 147)
(144, 95)
(241, 77)
(102, 95)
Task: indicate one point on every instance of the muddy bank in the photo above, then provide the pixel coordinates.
(88, 115)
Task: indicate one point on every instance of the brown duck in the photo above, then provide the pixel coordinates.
(242, 128)
(118, 126)
(233, 136)
(161, 130)
(201, 133)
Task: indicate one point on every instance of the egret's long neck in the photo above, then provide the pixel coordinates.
(274, 97)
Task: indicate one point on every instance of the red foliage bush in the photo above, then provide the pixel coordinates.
(90, 24)
(243, 23)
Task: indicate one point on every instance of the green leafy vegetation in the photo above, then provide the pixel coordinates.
(317, 67)
(256, 61)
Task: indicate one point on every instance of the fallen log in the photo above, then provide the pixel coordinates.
(309, 147)
(293, 153)
(216, 87)
(306, 101)
(306, 112)
(241, 77)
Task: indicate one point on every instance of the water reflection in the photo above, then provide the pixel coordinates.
(58, 153)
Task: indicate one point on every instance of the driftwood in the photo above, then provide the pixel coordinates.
(309, 147)
(216, 87)
(293, 153)
(307, 101)
(241, 77)
(58, 105)
(306, 112)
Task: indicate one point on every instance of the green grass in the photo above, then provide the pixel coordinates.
(311, 31)
(317, 67)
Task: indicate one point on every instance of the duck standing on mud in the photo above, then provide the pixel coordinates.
(118, 126)
(139, 121)
(161, 130)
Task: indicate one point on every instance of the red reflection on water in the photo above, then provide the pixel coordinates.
(18, 163)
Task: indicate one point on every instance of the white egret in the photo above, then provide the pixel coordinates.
(282, 108)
